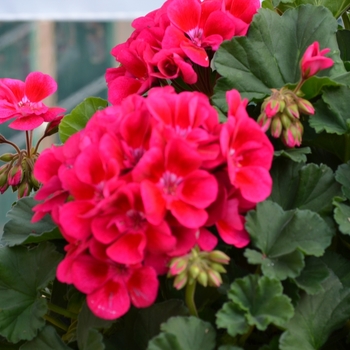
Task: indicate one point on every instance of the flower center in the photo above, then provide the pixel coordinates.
(169, 183)
(195, 35)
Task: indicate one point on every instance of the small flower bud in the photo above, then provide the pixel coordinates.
(4, 188)
(214, 278)
(264, 122)
(3, 179)
(203, 278)
(292, 111)
(219, 257)
(217, 267)
(52, 127)
(7, 157)
(177, 265)
(305, 106)
(286, 122)
(180, 280)
(15, 175)
(23, 190)
(194, 271)
(276, 127)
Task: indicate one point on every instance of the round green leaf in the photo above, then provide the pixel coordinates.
(269, 56)
(184, 333)
(262, 300)
(23, 273)
(47, 339)
(342, 175)
(79, 116)
(20, 230)
(233, 319)
(342, 217)
(317, 316)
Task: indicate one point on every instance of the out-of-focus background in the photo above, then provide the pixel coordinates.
(69, 39)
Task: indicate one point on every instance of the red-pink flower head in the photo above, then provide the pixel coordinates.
(23, 101)
(314, 60)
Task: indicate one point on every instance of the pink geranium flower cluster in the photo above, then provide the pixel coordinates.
(146, 181)
(176, 41)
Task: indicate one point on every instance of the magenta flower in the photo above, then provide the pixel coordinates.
(23, 101)
(314, 60)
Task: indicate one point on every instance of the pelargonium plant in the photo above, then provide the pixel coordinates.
(205, 205)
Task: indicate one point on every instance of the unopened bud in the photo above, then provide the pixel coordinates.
(180, 280)
(4, 188)
(286, 122)
(177, 266)
(214, 278)
(23, 190)
(276, 127)
(15, 175)
(52, 127)
(264, 122)
(34, 182)
(194, 271)
(292, 111)
(217, 267)
(305, 106)
(7, 157)
(203, 278)
(3, 179)
(219, 257)
(272, 107)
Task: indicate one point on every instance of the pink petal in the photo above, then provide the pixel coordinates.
(188, 215)
(153, 202)
(184, 14)
(39, 86)
(128, 249)
(143, 286)
(27, 123)
(110, 301)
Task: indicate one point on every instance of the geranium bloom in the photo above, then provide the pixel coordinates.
(197, 26)
(248, 151)
(23, 101)
(314, 60)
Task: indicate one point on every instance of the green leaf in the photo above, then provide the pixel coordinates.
(262, 300)
(342, 175)
(295, 154)
(23, 273)
(312, 276)
(342, 217)
(317, 316)
(47, 339)
(331, 112)
(337, 7)
(343, 38)
(314, 86)
(310, 186)
(229, 347)
(232, 318)
(20, 230)
(148, 321)
(288, 265)
(268, 57)
(79, 116)
(87, 335)
(278, 234)
(184, 333)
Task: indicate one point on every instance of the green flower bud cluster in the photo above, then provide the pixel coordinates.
(203, 267)
(17, 173)
(281, 112)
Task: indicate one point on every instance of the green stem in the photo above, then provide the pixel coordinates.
(346, 20)
(189, 298)
(4, 140)
(56, 322)
(28, 144)
(298, 87)
(59, 310)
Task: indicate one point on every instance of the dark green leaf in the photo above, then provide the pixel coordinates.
(337, 7)
(229, 347)
(268, 57)
(148, 321)
(314, 85)
(295, 154)
(86, 332)
(262, 300)
(23, 273)
(184, 333)
(317, 316)
(339, 266)
(79, 116)
(343, 38)
(310, 187)
(312, 276)
(47, 339)
(332, 111)
(278, 234)
(232, 318)
(342, 217)
(342, 175)
(20, 230)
